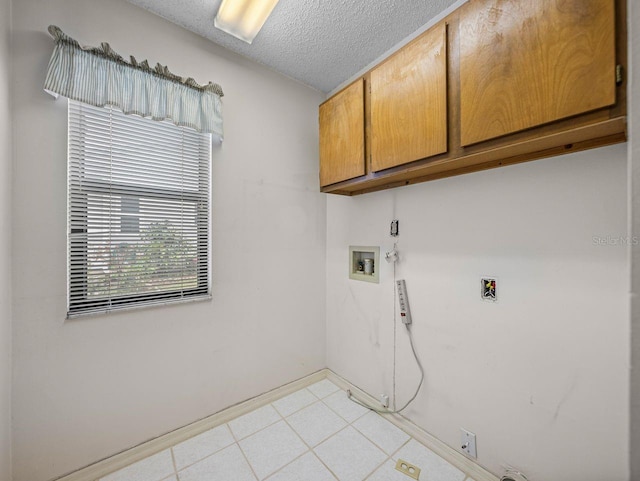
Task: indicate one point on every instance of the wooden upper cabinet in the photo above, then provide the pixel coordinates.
(525, 63)
(342, 135)
(496, 82)
(409, 102)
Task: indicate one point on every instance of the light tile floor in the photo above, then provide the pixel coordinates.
(314, 434)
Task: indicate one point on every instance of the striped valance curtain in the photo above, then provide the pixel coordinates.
(101, 77)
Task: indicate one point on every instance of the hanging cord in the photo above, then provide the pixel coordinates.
(389, 411)
(413, 349)
(395, 329)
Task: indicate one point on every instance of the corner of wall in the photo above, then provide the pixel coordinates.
(6, 183)
(633, 22)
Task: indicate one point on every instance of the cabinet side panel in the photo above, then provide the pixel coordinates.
(409, 102)
(524, 64)
(342, 135)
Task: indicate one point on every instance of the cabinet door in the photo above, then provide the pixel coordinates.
(409, 102)
(342, 135)
(524, 63)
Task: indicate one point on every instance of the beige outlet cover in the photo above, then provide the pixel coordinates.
(408, 469)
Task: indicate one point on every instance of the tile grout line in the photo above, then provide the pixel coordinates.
(380, 447)
(326, 396)
(349, 424)
(324, 441)
(300, 409)
(403, 445)
(255, 432)
(237, 443)
(175, 466)
(258, 431)
(244, 455)
(377, 467)
(282, 418)
(288, 464)
(311, 448)
(315, 455)
(320, 400)
(332, 409)
(238, 439)
(298, 434)
(389, 457)
(204, 457)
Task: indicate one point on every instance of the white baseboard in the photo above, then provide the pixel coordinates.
(118, 461)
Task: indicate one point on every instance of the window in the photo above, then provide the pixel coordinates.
(138, 211)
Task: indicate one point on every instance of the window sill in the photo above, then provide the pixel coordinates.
(145, 305)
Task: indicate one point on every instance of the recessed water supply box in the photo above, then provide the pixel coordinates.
(364, 263)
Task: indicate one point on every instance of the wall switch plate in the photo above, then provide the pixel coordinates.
(468, 443)
(489, 288)
(384, 400)
(395, 228)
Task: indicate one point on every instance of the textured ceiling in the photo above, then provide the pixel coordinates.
(321, 43)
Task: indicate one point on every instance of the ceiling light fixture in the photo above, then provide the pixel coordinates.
(243, 18)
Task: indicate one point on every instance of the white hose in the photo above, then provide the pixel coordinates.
(389, 411)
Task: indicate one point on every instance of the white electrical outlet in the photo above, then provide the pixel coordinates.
(468, 443)
(384, 400)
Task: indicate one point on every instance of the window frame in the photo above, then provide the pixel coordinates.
(75, 276)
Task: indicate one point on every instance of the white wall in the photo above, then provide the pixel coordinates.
(87, 388)
(549, 360)
(5, 243)
(541, 376)
(634, 203)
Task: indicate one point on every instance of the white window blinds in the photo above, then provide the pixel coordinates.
(138, 211)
